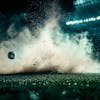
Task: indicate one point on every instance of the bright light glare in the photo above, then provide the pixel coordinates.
(83, 21)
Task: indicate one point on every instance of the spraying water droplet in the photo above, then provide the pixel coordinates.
(75, 84)
(69, 83)
(87, 85)
(34, 95)
(33, 83)
(64, 92)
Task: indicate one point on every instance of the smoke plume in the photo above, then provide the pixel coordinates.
(50, 50)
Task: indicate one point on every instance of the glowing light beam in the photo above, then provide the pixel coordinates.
(83, 21)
